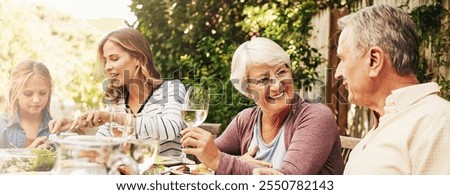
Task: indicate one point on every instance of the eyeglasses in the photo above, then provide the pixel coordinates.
(281, 74)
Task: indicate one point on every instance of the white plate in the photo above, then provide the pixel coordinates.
(172, 160)
(191, 167)
(167, 160)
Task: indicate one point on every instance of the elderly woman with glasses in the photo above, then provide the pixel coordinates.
(283, 131)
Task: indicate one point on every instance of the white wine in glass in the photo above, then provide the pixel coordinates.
(143, 150)
(194, 118)
(195, 108)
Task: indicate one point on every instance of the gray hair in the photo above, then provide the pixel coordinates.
(389, 28)
(257, 51)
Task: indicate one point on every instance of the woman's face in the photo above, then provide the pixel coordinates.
(34, 96)
(119, 64)
(271, 87)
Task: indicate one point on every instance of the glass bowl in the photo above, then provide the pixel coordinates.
(14, 160)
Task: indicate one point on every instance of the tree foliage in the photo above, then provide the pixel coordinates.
(194, 40)
(433, 26)
(66, 45)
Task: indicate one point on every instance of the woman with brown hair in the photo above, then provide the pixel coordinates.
(134, 86)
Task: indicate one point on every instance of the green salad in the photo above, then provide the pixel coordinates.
(39, 159)
(44, 160)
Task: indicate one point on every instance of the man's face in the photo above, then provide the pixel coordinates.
(354, 71)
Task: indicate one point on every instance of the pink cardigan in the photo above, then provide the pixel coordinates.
(311, 137)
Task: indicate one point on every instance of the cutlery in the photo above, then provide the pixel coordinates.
(13, 145)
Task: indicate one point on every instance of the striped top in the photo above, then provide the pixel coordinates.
(160, 115)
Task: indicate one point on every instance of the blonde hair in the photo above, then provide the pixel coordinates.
(257, 51)
(19, 76)
(136, 45)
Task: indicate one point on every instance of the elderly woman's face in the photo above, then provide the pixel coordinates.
(271, 87)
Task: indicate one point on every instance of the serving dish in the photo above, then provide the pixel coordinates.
(16, 160)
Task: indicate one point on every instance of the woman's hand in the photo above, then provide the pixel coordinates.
(249, 158)
(91, 118)
(266, 171)
(200, 143)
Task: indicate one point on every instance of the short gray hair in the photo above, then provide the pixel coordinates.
(389, 28)
(257, 51)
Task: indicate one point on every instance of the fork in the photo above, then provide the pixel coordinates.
(76, 128)
(13, 145)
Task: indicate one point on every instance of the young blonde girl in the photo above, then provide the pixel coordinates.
(24, 123)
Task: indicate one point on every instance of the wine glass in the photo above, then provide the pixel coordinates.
(195, 108)
(121, 122)
(143, 150)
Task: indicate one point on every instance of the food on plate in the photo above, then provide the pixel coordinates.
(124, 170)
(13, 164)
(37, 159)
(202, 169)
(183, 169)
(155, 170)
(44, 161)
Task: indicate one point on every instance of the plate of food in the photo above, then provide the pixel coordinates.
(153, 170)
(200, 169)
(157, 170)
(26, 160)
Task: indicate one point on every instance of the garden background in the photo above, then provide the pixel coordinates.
(194, 40)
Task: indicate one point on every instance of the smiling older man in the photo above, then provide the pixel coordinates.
(379, 51)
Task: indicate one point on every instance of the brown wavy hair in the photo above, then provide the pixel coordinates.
(136, 45)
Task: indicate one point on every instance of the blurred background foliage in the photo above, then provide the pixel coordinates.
(433, 25)
(193, 40)
(65, 44)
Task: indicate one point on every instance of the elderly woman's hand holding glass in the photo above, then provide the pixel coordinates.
(200, 143)
(292, 136)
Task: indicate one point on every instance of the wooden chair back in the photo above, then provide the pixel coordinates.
(213, 128)
(347, 145)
